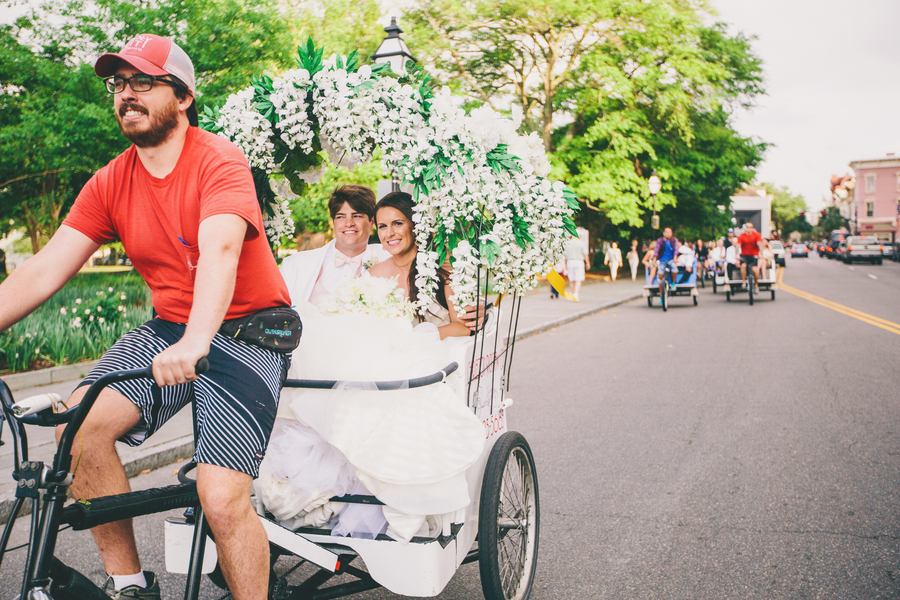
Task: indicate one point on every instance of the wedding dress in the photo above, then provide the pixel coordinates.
(408, 448)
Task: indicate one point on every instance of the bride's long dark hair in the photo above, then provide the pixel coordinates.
(404, 203)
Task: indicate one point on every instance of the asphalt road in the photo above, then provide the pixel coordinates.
(717, 451)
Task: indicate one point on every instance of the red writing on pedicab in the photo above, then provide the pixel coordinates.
(486, 363)
(494, 424)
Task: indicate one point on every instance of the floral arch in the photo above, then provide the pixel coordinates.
(482, 197)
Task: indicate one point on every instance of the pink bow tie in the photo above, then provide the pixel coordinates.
(341, 259)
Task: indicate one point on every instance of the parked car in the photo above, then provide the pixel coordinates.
(887, 250)
(861, 248)
(799, 250)
(778, 250)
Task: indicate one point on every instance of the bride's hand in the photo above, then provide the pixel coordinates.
(472, 316)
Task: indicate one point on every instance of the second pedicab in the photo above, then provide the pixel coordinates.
(681, 284)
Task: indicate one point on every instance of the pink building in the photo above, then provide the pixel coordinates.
(876, 197)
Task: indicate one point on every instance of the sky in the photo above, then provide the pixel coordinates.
(831, 75)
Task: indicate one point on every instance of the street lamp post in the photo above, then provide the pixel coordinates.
(655, 185)
(394, 50)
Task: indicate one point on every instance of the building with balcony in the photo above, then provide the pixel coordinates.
(876, 197)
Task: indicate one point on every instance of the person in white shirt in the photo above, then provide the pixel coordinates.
(732, 260)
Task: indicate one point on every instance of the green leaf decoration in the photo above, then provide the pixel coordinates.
(309, 57)
(490, 249)
(353, 61)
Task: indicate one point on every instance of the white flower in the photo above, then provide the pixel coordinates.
(242, 124)
(289, 99)
(511, 219)
(281, 224)
(63, 311)
(371, 296)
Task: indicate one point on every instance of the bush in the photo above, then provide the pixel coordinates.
(79, 323)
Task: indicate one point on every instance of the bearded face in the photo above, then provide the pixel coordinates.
(147, 127)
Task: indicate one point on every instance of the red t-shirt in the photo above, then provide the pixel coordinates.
(749, 243)
(149, 215)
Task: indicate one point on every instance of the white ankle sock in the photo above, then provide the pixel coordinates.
(123, 581)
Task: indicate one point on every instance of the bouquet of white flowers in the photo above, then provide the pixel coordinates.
(369, 295)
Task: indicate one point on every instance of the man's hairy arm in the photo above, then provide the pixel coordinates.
(220, 240)
(44, 274)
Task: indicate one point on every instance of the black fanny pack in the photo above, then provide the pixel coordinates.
(277, 329)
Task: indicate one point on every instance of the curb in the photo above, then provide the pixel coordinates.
(573, 317)
(147, 460)
(21, 381)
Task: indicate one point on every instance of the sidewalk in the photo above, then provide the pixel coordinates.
(174, 441)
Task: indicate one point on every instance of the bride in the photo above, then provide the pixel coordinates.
(408, 448)
(394, 223)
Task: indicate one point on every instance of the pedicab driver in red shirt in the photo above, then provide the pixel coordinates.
(182, 201)
(750, 243)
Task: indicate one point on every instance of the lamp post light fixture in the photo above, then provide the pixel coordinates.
(394, 50)
(655, 185)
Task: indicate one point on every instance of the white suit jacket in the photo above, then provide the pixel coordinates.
(301, 270)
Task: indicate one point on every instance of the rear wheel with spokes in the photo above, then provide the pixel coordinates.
(508, 520)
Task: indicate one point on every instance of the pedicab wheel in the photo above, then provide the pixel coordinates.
(649, 301)
(695, 300)
(728, 296)
(714, 285)
(773, 294)
(508, 520)
(750, 285)
(665, 299)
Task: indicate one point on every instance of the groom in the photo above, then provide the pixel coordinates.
(316, 274)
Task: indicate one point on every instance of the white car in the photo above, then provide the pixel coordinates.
(778, 250)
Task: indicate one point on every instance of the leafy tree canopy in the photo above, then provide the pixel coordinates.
(788, 210)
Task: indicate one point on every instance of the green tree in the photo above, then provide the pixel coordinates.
(642, 119)
(632, 78)
(787, 209)
(342, 26)
(57, 129)
(830, 220)
(229, 41)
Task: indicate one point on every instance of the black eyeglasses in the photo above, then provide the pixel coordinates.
(139, 83)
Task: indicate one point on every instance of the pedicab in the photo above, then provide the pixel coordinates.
(734, 284)
(684, 285)
(498, 529)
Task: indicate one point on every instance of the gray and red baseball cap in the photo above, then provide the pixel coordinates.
(153, 55)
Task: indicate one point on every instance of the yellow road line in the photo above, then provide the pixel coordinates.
(845, 310)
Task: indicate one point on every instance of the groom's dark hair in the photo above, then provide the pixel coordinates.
(360, 198)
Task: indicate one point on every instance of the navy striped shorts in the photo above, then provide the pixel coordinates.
(236, 399)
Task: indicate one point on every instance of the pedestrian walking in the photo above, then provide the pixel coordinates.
(613, 259)
(577, 263)
(634, 259)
